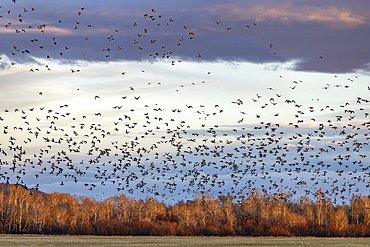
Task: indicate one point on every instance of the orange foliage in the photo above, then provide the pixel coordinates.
(25, 211)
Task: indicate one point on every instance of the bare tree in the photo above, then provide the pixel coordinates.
(185, 215)
(228, 210)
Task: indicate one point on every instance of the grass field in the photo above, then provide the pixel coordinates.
(36, 240)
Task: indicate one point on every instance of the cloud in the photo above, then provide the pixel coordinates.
(287, 13)
(300, 34)
(49, 30)
(52, 30)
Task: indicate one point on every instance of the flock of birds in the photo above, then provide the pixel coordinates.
(161, 154)
(140, 42)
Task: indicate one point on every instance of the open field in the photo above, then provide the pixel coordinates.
(33, 240)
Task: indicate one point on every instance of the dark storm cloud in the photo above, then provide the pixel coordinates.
(338, 32)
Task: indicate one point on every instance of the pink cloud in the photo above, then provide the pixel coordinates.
(327, 16)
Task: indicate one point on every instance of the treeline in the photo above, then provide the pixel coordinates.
(26, 211)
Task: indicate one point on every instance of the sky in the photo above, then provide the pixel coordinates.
(81, 80)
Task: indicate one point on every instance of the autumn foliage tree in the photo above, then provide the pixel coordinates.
(259, 214)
